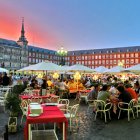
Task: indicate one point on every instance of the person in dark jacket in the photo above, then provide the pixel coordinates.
(124, 96)
(6, 80)
(44, 86)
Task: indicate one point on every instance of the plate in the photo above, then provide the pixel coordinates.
(51, 104)
(34, 103)
(34, 115)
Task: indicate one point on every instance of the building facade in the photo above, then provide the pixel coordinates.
(36, 55)
(108, 57)
(16, 55)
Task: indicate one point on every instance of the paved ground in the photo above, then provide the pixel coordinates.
(89, 129)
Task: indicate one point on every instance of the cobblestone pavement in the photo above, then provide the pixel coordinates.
(90, 129)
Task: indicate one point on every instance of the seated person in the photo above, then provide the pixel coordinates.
(104, 94)
(137, 88)
(131, 91)
(92, 95)
(124, 96)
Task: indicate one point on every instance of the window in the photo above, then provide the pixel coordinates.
(118, 55)
(127, 61)
(136, 55)
(99, 56)
(30, 60)
(132, 61)
(122, 55)
(106, 61)
(72, 57)
(127, 50)
(96, 62)
(114, 61)
(103, 61)
(103, 56)
(107, 56)
(127, 55)
(96, 57)
(132, 55)
(136, 60)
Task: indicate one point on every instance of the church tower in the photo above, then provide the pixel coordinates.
(22, 40)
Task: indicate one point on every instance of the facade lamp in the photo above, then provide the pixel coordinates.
(62, 53)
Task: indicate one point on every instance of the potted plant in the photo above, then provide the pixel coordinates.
(13, 105)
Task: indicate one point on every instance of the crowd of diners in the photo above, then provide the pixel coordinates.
(106, 87)
(107, 83)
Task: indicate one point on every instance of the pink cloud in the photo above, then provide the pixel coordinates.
(10, 27)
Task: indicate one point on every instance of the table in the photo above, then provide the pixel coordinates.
(82, 94)
(50, 114)
(26, 97)
(36, 91)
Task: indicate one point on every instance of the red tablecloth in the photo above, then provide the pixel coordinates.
(26, 97)
(84, 90)
(50, 114)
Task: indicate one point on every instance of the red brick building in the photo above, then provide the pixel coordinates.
(108, 57)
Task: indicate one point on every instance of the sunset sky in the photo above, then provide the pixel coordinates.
(74, 24)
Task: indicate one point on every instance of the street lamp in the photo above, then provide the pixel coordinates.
(121, 63)
(55, 75)
(61, 52)
(77, 76)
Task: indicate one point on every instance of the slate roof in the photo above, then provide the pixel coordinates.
(37, 49)
(11, 43)
(106, 50)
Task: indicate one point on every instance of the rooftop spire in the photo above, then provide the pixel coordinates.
(22, 39)
(22, 29)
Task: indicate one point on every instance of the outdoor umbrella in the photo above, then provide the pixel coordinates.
(81, 68)
(42, 66)
(135, 68)
(101, 69)
(116, 69)
(3, 70)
